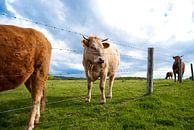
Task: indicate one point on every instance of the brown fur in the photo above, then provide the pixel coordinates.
(24, 58)
(169, 75)
(99, 61)
(176, 67)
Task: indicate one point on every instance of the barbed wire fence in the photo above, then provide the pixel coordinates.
(80, 52)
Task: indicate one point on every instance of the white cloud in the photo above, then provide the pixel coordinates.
(136, 54)
(55, 8)
(152, 20)
(10, 8)
(53, 11)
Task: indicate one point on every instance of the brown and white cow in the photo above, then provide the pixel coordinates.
(176, 67)
(24, 58)
(99, 60)
(169, 75)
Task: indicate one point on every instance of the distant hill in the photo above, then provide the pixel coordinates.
(56, 77)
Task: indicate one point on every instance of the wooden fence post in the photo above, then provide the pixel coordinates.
(192, 72)
(150, 70)
(180, 71)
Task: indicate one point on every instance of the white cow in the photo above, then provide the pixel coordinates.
(99, 60)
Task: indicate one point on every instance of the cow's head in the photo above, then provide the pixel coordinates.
(95, 49)
(177, 58)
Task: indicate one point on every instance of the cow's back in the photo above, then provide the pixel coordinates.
(113, 57)
(21, 50)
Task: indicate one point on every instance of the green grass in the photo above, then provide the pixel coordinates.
(171, 106)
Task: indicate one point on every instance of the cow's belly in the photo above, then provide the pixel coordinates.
(8, 82)
(15, 68)
(12, 75)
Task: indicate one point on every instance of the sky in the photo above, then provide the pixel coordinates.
(132, 26)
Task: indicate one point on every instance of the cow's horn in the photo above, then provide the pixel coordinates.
(84, 37)
(104, 40)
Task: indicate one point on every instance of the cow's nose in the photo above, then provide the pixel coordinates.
(101, 60)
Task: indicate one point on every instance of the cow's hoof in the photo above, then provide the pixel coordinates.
(29, 128)
(109, 96)
(36, 122)
(87, 100)
(102, 102)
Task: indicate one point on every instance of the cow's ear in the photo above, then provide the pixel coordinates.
(106, 45)
(173, 57)
(85, 43)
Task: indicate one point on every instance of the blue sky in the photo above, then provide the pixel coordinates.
(131, 25)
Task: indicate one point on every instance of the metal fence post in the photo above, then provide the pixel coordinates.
(180, 71)
(192, 72)
(150, 70)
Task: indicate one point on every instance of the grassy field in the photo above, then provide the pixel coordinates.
(171, 106)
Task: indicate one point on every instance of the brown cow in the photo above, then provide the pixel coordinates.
(99, 61)
(176, 67)
(24, 58)
(169, 75)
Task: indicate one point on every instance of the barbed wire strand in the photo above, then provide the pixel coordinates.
(82, 72)
(27, 107)
(69, 31)
(43, 24)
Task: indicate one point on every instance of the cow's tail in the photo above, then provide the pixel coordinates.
(43, 101)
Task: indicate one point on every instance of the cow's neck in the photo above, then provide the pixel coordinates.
(94, 70)
(176, 63)
(95, 67)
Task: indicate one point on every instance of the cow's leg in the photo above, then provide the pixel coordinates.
(102, 89)
(28, 85)
(111, 81)
(174, 77)
(179, 77)
(182, 73)
(37, 91)
(43, 101)
(88, 97)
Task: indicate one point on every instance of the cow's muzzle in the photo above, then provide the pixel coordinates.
(100, 61)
